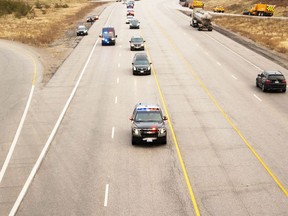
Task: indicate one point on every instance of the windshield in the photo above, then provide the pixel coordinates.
(142, 62)
(138, 40)
(108, 34)
(148, 117)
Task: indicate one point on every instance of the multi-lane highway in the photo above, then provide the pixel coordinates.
(227, 140)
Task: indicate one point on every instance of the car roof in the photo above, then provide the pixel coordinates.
(147, 107)
(137, 36)
(273, 72)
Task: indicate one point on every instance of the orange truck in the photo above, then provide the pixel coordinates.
(261, 10)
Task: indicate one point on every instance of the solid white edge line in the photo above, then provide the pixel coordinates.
(52, 135)
(50, 139)
(117, 80)
(16, 137)
(116, 100)
(106, 195)
(113, 132)
(234, 77)
(219, 63)
(257, 97)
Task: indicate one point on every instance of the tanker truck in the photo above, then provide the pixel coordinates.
(201, 19)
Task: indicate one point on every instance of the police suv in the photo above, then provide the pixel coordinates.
(148, 124)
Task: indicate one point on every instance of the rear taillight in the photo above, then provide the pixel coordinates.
(284, 81)
(267, 82)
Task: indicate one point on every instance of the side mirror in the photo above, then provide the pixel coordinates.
(165, 118)
(132, 63)
(131, 119)
(150, 63)
(129, 41)
(100, 36)
(144, 41)
(259, 75)
(116, 36)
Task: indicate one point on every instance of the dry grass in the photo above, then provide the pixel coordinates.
(270, 33)
(48, 24)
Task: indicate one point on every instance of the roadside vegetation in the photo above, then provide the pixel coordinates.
(269, 32)
(41, 22)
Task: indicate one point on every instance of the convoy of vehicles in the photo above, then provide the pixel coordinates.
(202, 20)
(148, 124)
(271, 81)
(260, 10)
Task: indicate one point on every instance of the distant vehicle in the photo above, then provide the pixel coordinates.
(137, 43)
(130, 5)
(219, 9)
(130, 12)
(141, 64)
(148, 124)
(271, 80)
(134, 24)
(128, 19)
(261, 10)
(108, 36)
(92, 18)
(201, 19)
(196, 4)
(82, 30)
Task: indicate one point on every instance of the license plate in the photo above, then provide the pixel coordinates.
(141, 71)
(149, 140)
(276, 81)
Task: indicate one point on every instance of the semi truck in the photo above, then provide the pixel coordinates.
(260, 10)
(201, 19)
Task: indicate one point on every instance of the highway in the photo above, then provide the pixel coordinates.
(227, 140)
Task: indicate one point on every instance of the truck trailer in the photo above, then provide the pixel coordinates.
(201, 19)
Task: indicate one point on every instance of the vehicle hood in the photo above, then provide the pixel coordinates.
(147, 125)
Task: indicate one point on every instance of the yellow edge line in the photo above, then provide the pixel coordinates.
(277, 181)
(192, 196)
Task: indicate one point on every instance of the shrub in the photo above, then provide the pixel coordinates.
(18, 8)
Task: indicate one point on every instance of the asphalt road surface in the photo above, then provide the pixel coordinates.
(227, 146)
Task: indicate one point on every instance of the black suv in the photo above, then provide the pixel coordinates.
(148, 124)
(137, 43)
(134, 24)
(108, 36)
(141, 64)
(271, 80)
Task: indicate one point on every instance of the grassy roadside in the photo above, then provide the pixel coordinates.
(47, 22)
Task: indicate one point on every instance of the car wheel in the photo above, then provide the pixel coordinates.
(133, 141)
(263, 88)
(134, 73)
(284, 90)
(257, 84)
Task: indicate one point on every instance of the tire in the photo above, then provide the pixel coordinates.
(284, 90)
(133, 141)
(257, 84)
(263, 88)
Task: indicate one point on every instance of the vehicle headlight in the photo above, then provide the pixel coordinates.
(134, 68)
(149, 68)
(132, 45)
(142, 45)
(162, 132)
(136, 132)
